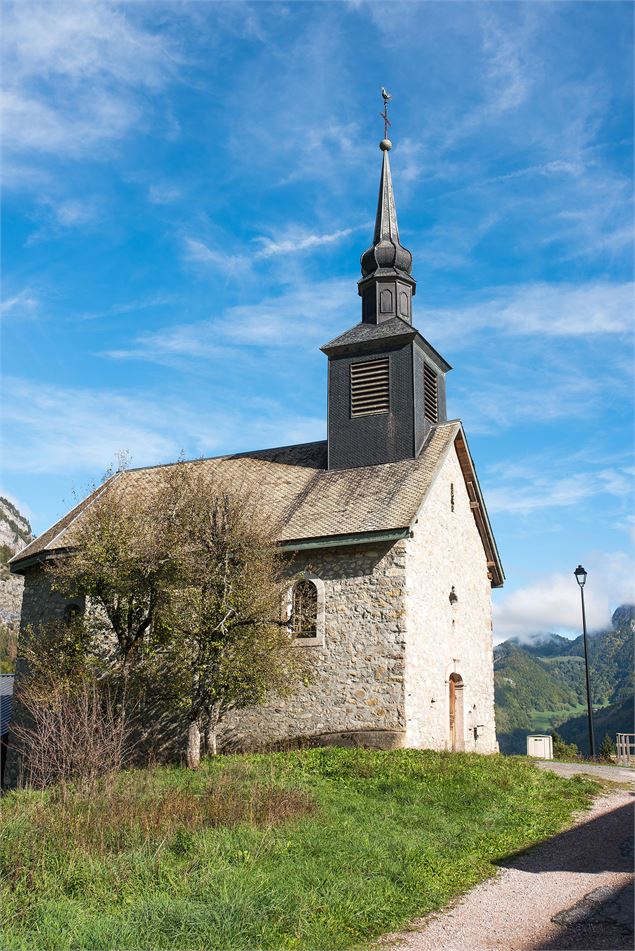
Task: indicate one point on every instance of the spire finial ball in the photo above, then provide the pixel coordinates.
(385, 145)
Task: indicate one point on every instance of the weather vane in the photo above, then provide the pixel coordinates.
(386, 97)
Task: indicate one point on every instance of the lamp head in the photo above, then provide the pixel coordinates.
(580, 575)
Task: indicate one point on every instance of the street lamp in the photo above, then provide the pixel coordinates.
(580, 577)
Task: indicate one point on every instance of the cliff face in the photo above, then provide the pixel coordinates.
(15, 530)
(15, 534)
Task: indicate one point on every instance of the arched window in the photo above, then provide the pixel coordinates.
(304, 608)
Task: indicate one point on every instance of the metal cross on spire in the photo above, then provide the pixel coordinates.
(386, 97)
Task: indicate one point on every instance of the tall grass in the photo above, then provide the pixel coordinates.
(312, 849)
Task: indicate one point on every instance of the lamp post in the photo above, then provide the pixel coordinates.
(580, 577)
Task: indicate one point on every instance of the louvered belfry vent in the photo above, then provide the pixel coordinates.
(370, 388)
(430, 394)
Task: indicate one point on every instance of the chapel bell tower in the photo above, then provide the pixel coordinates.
(386, 386)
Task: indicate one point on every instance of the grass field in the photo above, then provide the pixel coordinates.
(323, 848)
(543, 721)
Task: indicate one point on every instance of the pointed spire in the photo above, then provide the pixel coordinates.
(387, 285)
(386, 254)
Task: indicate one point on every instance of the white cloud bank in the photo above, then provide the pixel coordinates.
(552, 603)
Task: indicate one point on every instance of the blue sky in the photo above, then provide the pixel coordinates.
(188, 188)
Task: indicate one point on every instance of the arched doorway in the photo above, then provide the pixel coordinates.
(457, 732)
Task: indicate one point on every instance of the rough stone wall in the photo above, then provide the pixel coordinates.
(358, 673)
(443, 638)
(39, 602)
(356, 692)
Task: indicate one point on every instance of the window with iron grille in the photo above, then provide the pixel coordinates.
(430, 394)
(304, 609)
(370, 388)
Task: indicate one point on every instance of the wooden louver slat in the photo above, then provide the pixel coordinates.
(430, 394)
(370, 388)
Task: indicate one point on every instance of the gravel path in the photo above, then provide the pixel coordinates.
(614, 774)
(582, 878)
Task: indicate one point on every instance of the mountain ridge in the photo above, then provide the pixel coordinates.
(540, 685)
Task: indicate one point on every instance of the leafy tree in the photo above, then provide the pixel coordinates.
(8, 647)
(121, 562)
(184, 585)
(221, 641)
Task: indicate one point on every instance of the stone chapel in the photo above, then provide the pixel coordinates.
(387, 524)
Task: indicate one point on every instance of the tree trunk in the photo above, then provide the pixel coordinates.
(194, 745)
(211, 734)
(212, 742)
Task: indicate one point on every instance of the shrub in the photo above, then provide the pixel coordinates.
(563, 750)
(70, 732)
(607, 749)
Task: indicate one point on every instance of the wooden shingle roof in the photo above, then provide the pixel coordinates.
(306, 500)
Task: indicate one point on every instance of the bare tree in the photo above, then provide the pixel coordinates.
(74, 724)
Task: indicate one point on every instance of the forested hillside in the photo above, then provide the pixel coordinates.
(540, 685)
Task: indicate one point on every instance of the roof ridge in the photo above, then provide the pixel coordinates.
(225, 455)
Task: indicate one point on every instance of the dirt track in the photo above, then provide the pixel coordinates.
(582, 878)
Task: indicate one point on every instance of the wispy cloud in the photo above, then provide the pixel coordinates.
(292, 239)
(299, 239)
(522, 387)
(222, 258)
(66, 429)
(72, 429)
(71, 75)
(508, 79)
(542, 489)
(540, 309)
(23, 304)
(286, 320)
(150, 302)
(162, 193)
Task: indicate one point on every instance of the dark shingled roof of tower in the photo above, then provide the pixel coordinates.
(362, 332)
(396, 329)
(304, 498)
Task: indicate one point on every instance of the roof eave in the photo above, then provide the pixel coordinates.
(338, 541)
(294, 544)
(18, 566)
(366, 346)
(431, 351)
(479, 511)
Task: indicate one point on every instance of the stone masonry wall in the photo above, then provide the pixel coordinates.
(39, 602)
(446, 551)
(357, 692)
